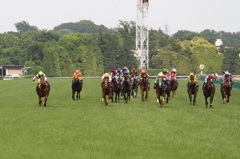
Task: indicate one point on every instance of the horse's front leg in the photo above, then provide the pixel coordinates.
(142, 95)
(45, 102)
(146, 97)
(39, 101)
(194, 100)
(103, 95)
(173, 92)
(206, 102)
(73, 93)
(190, 97)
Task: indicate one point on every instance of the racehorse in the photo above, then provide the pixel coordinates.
(126, 88)
(160, 92)
(144, 88)
(168, 90)
(106, 91)
(192, 89)
(208, 91)
(174, 86)
(42, 90)
(76, 87)
(116, 90)
(134, 87)
(226, 91)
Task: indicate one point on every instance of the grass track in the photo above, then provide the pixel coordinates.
(87, 129)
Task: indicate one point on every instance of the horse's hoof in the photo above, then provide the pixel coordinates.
(228, 103)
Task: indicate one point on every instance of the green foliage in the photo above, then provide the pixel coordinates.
(25, 26)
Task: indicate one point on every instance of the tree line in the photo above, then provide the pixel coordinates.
(96, 49)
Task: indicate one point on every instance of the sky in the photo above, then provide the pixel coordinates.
(191, 15)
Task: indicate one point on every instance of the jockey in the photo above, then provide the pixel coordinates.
(195, 79)
(119, 75)
(143, 72)
(209, 76)
(125, 69)
(156, 80)
(133, 74)
(126, 72)
(107, 75)
(40, 73)
(165, 76)
(115, 75)
(226, 75)
(78, 75)
(173, 73)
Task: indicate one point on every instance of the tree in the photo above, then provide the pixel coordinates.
(24, 26)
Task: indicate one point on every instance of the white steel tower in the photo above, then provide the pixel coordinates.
(142, 33)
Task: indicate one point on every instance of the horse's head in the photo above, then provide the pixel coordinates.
(209, 84)
(75, 80)
(226, 83)
(106, 79)
(192, 79)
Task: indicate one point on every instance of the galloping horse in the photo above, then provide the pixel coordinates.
(226, 90)
(106, 91)
(134, 87)
(42, 90)
(126, 88)
(209, 91)
(116, 90)
(144, 87)
(174, 86)
(192, 89)
(76, 87)
(160, 92)
(168, 90)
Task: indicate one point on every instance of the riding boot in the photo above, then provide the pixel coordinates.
(155, 85)
(111, 84)
(203, 85)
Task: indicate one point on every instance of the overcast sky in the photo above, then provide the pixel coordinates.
(189, 15)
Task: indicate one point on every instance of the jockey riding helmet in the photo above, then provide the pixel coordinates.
(106, 75)
(118, 69)
(124, 67)
(211, 76)
(226, 72)
(160, 74)
(134, 69)
(40, 73)
(143, 71)
(174, 70)
(164, 70)
(191, 74)
(77, 71)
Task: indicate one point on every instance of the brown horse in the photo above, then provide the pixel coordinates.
(116, 90)
(209, 91)
(226, 91)
(144, 87)
(76, 87)
(134, 87)
(174, 86)
(160, 92)
(42, 90)
(106, 91)
(192, 89)
(168, 90)
(126, 88)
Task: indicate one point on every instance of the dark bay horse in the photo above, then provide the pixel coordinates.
(76, 87)
(144, 87)
(126, 88)
(192, 89)
(168, 90)
(209, 91)
(226, 91)
(42, 90)
(160, 92)
(116, 90)
(174, 86)
(134, 87)
(106, 91)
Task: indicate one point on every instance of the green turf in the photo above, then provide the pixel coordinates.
(136, 130)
